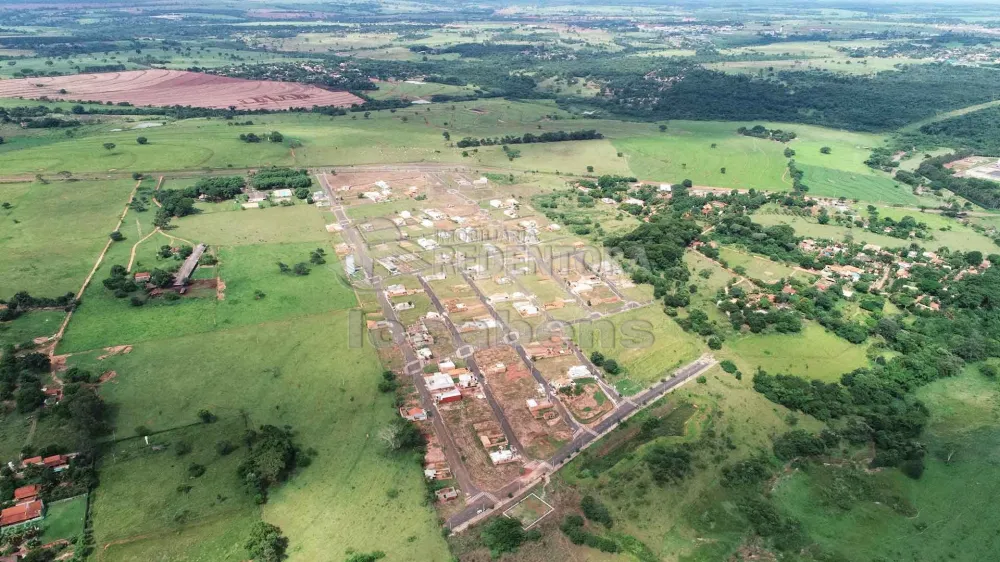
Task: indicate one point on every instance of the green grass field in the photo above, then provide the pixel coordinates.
(300, 372)
(868, 186)
(759, 267)
(52, 234)
(684, 152)
(64, 519)
(104, 320)
(30, 326)
(646, 342)
(813, 353)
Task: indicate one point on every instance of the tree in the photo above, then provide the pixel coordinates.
(825, 150)
(590, 169)
(116, 236)
(266, 543)
(109, 146)
(300, 269)
(503, 535)
(663, 128)
(275, 136)
(446, 135)
(597, 358)
(668, 464)
(401, 435)
(283, 267)
(611, 367)
(206, 416)
(974, 257)
(142, 140)
(789, 153)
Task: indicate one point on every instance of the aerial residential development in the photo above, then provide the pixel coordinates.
(432, 282)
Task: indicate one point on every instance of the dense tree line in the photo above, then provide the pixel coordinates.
(22, 302)
(762, 132)
(531, 138)
(280, 178)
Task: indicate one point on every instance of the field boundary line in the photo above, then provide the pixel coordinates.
(97, 265)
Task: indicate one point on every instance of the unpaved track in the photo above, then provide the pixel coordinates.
(100, 259)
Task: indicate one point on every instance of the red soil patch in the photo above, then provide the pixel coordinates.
(116, 350)
(107, 375)
(176, 87)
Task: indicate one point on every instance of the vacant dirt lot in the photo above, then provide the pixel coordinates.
(175, 87)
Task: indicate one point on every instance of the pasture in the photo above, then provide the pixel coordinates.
(758, 267)
(685, 151)
(52, 233)
(813, 353)
(29, 326)
(302, 372)
(870, 186)
(104, 320)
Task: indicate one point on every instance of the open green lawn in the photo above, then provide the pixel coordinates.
(64, 519)
(870, 186)
(29, 326)
(646, 342)
(52, 234)
(684, 152)
(759, 267)
(300, 372)
(814, 353)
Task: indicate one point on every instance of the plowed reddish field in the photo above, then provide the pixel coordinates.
(176, 87)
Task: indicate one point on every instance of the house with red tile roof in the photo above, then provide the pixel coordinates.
(57, 463)
(26, 493)
(21, 514)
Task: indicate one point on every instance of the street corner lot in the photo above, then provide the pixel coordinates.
(648, 344)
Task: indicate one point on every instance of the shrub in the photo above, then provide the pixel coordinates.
(596, 511)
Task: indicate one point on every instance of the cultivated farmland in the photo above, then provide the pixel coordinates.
(175, 87)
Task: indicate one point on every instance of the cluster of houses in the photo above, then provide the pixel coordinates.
(883, 265)
(509, 207)
(28, 506)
